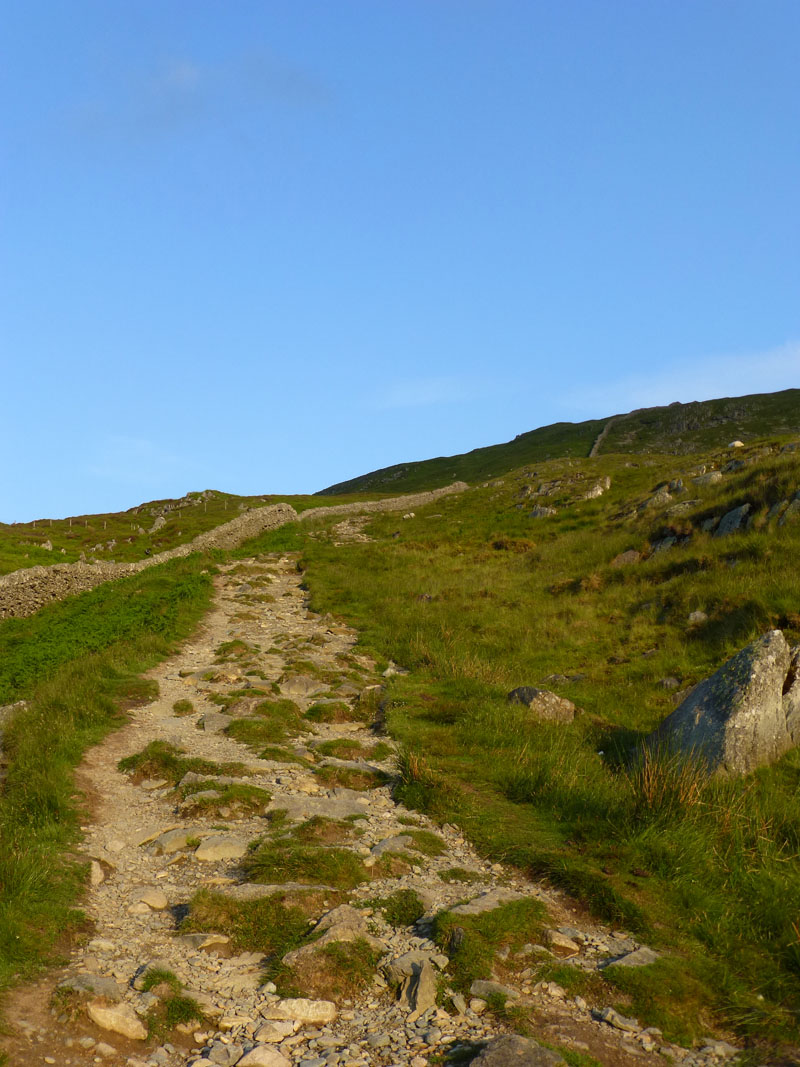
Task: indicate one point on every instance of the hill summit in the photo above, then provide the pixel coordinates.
(676, 429)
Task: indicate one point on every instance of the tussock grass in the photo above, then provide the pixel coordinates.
(274, 925)
(472, 941)
(333, 972)
(401, 908)
(287, 860)
(233, 800)
(337, 711)
(160, 759)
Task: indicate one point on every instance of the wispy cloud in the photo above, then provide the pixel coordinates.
(428, 392)
(181, 91)
(706, 378)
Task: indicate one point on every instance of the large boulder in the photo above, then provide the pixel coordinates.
(736, 720)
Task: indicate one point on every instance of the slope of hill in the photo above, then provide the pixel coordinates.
(618, 583)
(676, 428)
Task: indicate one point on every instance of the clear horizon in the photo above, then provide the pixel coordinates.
(270, 248)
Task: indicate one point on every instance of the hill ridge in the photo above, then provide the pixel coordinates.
(677, 428)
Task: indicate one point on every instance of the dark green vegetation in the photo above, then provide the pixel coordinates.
(474, 597)
(77, 664)
(678, 428)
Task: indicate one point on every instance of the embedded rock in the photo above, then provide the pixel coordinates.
(600, 487)
(735, 720)
(710, 478)
(791, 511)
(221, 847)
(119, 1018)
(624, 559)
(99, 984)
(263, 1056)
(419, 990)
(544, 704)
(791, 697)
(732, 520)
(301, 1010)
(511, 1050)
(495, 898)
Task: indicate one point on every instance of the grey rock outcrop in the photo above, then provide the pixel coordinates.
(791, 697)
(732, 520)
(736, 720)
(544, 704)
(791, 511)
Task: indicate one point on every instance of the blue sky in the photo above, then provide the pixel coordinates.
(263, 246)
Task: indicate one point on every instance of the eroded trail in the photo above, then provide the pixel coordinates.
(259, 898)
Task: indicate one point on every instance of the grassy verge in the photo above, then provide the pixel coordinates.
(474, 598)
(78, 665)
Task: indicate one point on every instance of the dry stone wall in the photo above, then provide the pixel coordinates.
(25, 591)
(395, 503)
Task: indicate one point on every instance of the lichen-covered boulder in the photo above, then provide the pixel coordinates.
(736, 720)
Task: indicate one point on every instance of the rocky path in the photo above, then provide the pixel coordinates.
(258, 897)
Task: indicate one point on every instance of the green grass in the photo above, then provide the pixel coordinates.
(474, 598)
(472, 941)
(274, 925)
(351, 748)
(401, 908)
(238, 800)
(287, 860)
(349, 777)
(147, 606)
(271, 723)
(160, 759)
(77, 666)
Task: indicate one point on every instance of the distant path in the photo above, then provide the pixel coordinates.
(25, 591)
(595, 451)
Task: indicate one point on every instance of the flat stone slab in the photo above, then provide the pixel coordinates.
(495, 898)
(640, 957)
(300, 808)
(221, 847)
(485, 989)
(301, 1010)
(398, 843)
(119, 1018)
(174, 840)
(99, 984)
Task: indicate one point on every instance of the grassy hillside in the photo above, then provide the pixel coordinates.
(127, 536)
(678, 429)
(474, 597)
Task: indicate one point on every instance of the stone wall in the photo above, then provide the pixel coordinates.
(23, 592)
